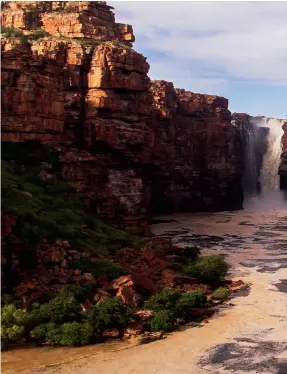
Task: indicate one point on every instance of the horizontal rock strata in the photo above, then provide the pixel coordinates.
(130, 146)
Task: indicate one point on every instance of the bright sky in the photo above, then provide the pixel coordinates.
(232, 49)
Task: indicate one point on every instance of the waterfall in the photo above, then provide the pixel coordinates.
(261, 138)
(269, 178)
(269, 196)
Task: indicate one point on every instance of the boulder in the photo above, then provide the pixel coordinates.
(111, 334)
(144, 315)
(172, 277)
(133, 329)
(237, 285)
(129, 296)
(139, 283)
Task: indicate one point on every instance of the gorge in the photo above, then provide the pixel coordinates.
(111, 180)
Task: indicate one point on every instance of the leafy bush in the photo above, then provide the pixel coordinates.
(190, 300)
(11, 335)
(7, 299)
(13, 325)
(163, 321)
(165, 300)
(37, 34)
(11, 32)
(47, 332)
(208, 269)
(221, 293)
(76, 334)
(191, 252)
(39, 314)
(64, 308)
(100, 267)
(68, 334)
(110, 313)
(80, 293)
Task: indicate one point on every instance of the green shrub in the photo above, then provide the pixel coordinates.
(68, 334)
(46, 332)
(190, 300)
(13, 325)
(221, 293)
(39, 314)
(11, 32)
(64, 308)
(76, 334)
(37, 34)
(12, 334)
(51, 333)
(100, 267)
(10, 315)
(7, 299)
(208, 269)
(165, 300)
(81, 294)
(191, 252)
(163, 321)
(110, 313)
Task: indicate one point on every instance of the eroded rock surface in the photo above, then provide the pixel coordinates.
(70, 78)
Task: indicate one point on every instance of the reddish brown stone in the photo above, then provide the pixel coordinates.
(237, 285)
(127, 295)
(144, 315)
(111, 334)
(134, 329)
(172, 277)
(139, 283)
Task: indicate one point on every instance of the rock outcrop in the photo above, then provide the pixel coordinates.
(71, 79)
(197, 152)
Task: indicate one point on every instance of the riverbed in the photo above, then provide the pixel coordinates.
(249, 336)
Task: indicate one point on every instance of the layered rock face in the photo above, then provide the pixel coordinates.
(85, 92)
(129, 147)
(198, 152)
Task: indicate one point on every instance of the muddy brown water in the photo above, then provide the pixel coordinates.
(249, 337)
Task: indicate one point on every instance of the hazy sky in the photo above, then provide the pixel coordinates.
(233, 49)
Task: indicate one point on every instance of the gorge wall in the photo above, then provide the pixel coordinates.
(131, 147)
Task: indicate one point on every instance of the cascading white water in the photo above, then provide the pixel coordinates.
(270, 196)
(269, 177)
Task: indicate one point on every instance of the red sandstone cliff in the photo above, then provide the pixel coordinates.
(197, 150)
(129, 146)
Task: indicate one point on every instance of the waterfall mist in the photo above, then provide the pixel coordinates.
(266, 144)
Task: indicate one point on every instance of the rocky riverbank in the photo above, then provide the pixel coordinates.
(248, 336)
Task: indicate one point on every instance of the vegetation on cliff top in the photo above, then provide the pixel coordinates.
(11, 32)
